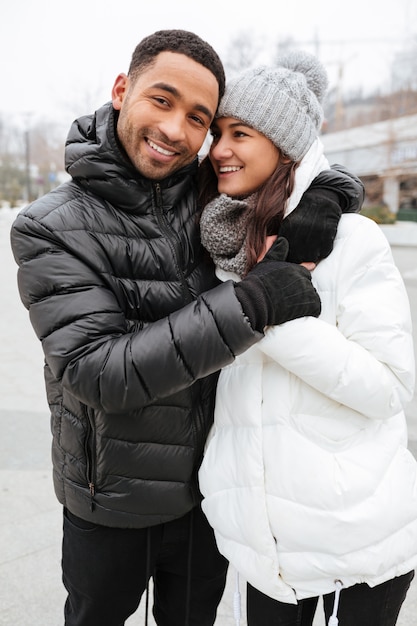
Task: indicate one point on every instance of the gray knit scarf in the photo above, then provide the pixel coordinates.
(223, 226)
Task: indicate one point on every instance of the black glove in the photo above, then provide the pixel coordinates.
(348, 187)
(311, 227)
(275, 291)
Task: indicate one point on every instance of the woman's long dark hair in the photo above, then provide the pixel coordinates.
(270, 205)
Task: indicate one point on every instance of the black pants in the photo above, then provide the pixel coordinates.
(106, 570)
(359, 605)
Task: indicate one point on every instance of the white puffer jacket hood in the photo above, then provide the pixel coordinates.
(307, 477)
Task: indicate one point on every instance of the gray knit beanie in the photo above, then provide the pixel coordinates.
(281, 102)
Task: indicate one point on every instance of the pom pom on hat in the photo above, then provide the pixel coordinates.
(283, 102)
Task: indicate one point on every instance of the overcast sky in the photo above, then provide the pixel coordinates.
(59, 60)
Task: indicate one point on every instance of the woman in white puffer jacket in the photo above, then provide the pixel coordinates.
(307, 480)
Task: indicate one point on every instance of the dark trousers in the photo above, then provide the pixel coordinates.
(359, 605)
(106, 571)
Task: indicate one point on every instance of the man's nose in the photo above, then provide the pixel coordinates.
(174, 126)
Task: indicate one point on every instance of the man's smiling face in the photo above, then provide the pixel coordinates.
(165, 113)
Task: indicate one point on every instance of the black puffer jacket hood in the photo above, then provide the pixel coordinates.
(111, 268)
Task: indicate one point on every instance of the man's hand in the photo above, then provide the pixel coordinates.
(276, 291)
(311, 228)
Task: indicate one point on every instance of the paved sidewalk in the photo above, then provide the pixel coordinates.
(31, 593)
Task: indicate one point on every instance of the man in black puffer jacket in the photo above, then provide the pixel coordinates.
(135, 327)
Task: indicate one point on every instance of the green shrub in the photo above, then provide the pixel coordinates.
(380, 213)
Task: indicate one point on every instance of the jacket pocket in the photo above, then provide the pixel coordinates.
(90, 454)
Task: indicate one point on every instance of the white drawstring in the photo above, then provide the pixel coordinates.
(333, 621)
(236, 601)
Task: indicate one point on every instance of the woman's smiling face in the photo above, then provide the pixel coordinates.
(242, 158)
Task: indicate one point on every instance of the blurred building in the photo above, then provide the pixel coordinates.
(384, 155)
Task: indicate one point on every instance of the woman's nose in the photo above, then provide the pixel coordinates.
(221, 150)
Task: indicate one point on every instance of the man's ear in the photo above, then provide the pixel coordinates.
(119, 91)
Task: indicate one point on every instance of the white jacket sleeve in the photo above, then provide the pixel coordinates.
(360, 351)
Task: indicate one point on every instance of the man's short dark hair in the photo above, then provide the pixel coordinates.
(181, 42)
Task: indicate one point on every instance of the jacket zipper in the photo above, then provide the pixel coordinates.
(90, 455)
(173, 241)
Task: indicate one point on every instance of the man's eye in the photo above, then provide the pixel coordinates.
(198, 120)
(160, 100)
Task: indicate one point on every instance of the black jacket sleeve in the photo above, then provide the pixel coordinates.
(347, 188)
(98, 355)
(311, 227)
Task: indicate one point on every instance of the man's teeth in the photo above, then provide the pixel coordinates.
(231, 168)
(159, 149)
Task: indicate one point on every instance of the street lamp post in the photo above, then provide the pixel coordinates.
(27, 162)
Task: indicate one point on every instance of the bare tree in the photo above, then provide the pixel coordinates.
(282, 47)
(31, 159)
(243, 52)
